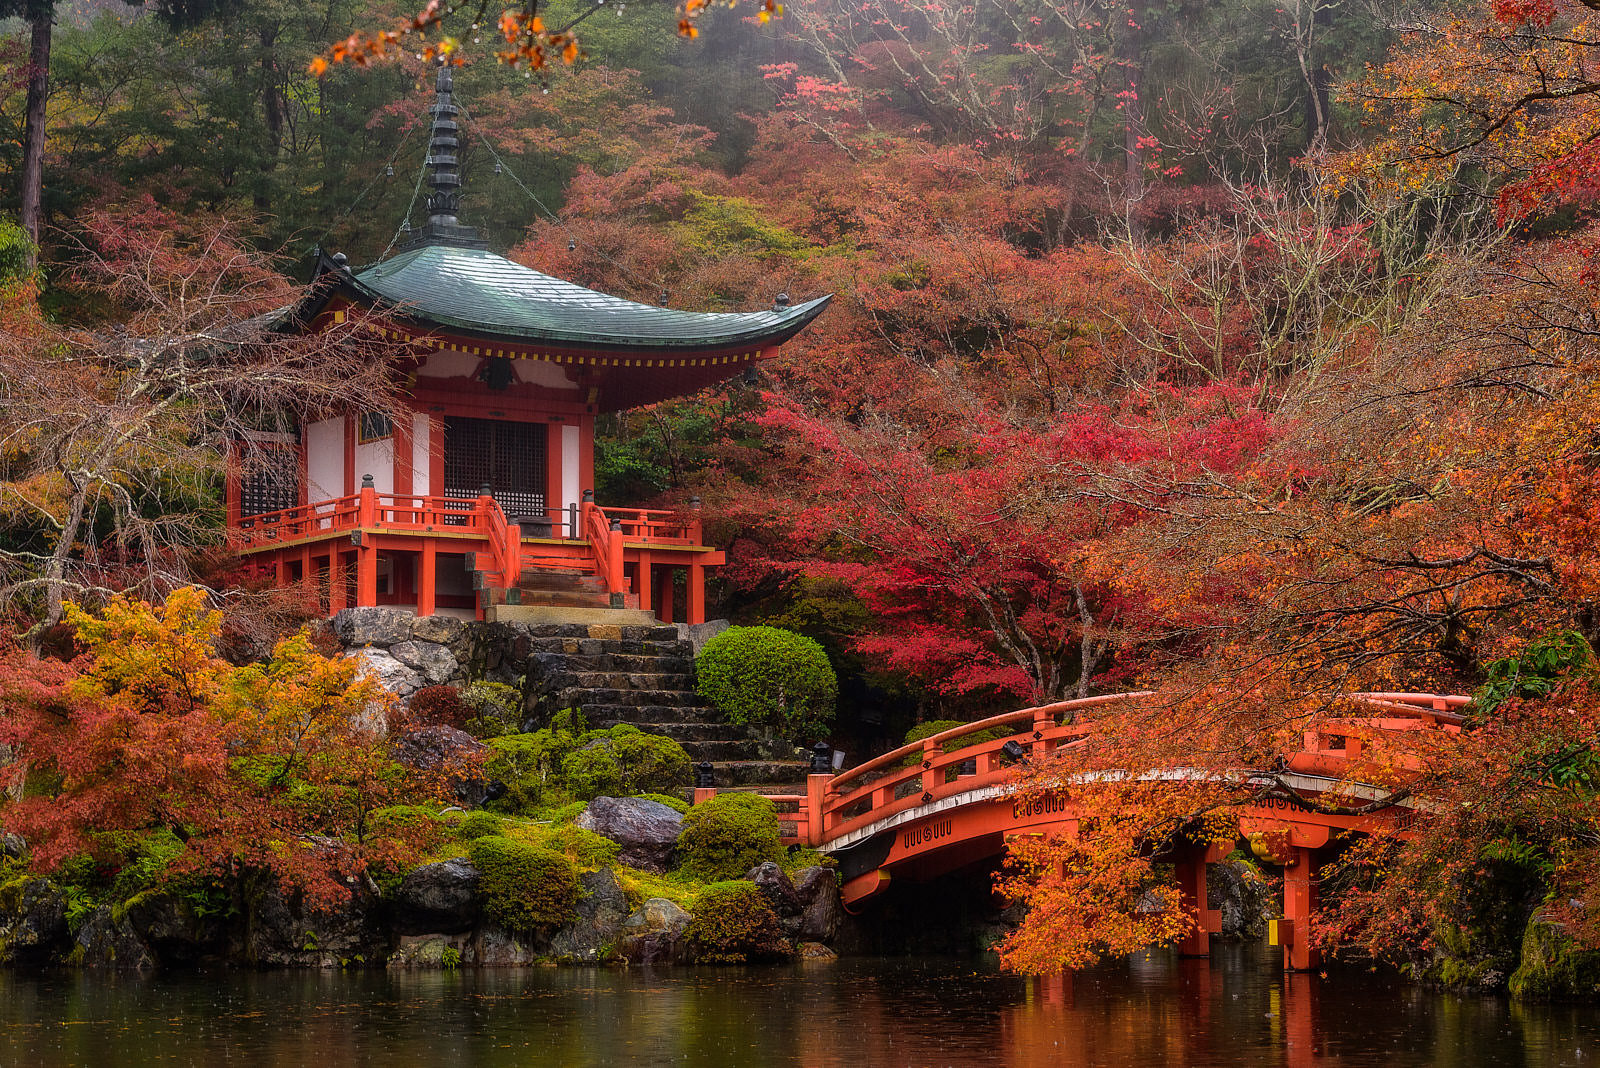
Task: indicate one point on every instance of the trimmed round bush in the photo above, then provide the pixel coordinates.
(726, 836)
(769, 677)
(524, 887)
(733, 923)
(479, 825)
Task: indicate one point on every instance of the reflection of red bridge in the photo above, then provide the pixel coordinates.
(931, 807)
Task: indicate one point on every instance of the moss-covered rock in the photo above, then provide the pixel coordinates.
(725, 837)
(733, 923)
(624, 760)
(1553, 966)
(524, 888)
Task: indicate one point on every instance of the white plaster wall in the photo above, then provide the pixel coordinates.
(569, 469)
(325, 460)
(420, 455)
(376, 458)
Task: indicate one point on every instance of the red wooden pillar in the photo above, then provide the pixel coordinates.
(669, 586)
(1299, 899)
(366, 545)
(704, 793)
(695, 611)
(1041, 745)
(308, 580)
(642, 583)
(427, 584)
(1191, 872)
(336, 591)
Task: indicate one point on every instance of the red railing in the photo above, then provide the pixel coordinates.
(926, 771)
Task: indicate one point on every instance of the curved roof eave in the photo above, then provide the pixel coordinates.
(486, 295)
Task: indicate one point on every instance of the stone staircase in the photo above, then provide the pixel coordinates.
(643, 674)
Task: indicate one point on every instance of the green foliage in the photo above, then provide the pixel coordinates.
(450, 958)
(587, 851)
(1535, 671)
(624, 760)
(733, 924)
(524, 887)
(678, 804)
(939, 726)
(718, 226)
(15, 252)
(479, 825)
(725, 837)
(1553, 966)
(494, 709)
(767, 677)
(530, 764)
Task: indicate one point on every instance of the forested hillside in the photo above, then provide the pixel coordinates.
(1241, 351)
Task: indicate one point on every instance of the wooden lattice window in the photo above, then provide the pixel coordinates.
(270, 480)
(507, 457)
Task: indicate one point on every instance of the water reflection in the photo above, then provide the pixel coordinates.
(1236, 1009)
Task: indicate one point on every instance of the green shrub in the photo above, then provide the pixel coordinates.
(529, 765)
(587, 850)
(725, 837)
(495, 709)
(767, 677)
(732, 924)
(939, 726)
(677, 804)
(524, 887)
(624, 760)
(479, 825)
(1534, 671)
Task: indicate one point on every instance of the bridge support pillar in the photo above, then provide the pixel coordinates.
(1299, 899)
(1191, 871)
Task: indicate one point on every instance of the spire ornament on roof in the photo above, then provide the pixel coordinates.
(444, 178)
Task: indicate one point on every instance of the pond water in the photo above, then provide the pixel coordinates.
(1235, 1009)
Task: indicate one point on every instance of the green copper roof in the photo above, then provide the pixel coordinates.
(476, 290)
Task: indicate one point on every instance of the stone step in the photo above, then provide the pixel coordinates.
(724, 750)
(690, 732)
(539, 614)
(635, 698)
(762, 773)
(592, 646)
(526, 598)
(607, 715)
(606, 682)
(630, 664)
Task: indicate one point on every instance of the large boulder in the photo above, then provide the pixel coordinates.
(441, 630)
(646, 830)
(776, 887)
(433, 662)
(394, 676)
(440, 898)
(174, 930)
(457, 754)
(33, 924)
(592, 937)
(697, 634)
(381, 627)
(653, 934)
(1240, 893)
(820, 909)
(107, 942)
(280, 929)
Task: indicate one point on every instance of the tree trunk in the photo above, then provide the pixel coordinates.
(33, 136)
(1131, 53)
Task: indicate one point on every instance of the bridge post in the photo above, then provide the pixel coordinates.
(1190, 868)
(1040, 745)
(816, 792)
(1299, 899)
(931, 776)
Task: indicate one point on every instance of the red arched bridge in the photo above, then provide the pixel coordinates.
(933, 806)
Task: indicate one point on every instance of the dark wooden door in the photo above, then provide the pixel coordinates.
(507, 457)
